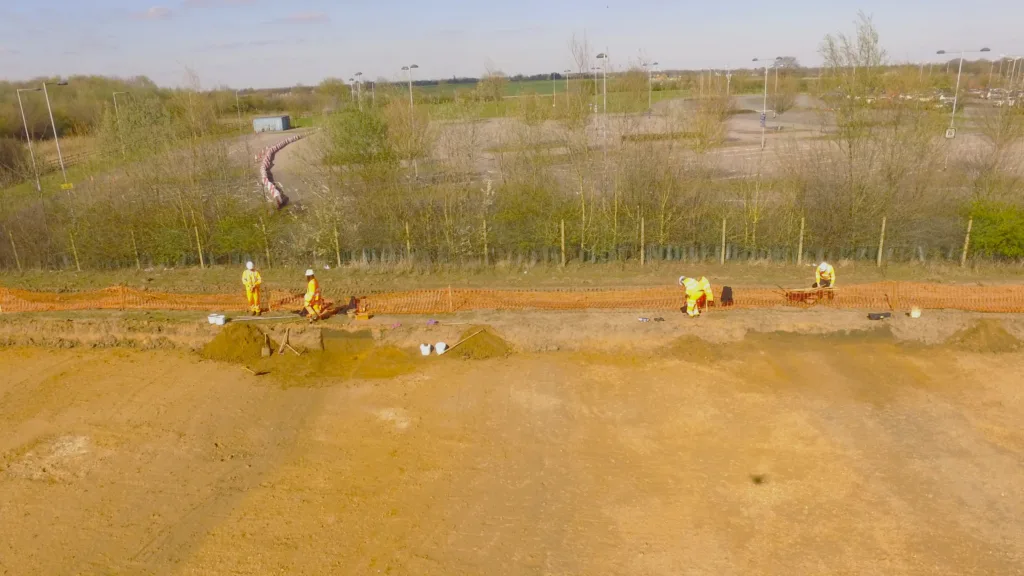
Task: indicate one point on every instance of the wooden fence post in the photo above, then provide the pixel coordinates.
(800, 244)
(643, 243)
(721, 257)
(967, 242)
(18, 260)
(135, 248)
(266, 242)
(337, 248)
(74, 250)
(881, 244)
(563, 243)
(408, 242)
(487, 258)
(199, 245)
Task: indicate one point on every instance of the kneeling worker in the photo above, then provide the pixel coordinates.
(313, 301)
(698, 294)
(252, 281)
(825, 276)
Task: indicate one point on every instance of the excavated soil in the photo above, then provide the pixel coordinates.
(985, 336)
(774, 454)
(236, 343)
(480, 343)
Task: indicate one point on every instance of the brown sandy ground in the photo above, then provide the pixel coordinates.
(746, 453)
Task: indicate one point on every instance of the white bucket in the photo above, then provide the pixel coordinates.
(212, 318)
(441, 348)
(219, 320)
(425, 349)
(915, 312)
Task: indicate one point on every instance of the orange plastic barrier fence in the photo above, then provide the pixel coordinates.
(879, 296)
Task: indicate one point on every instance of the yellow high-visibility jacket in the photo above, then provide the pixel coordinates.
(312, 292)
(693, 289)
(251, 279)
(829, 275)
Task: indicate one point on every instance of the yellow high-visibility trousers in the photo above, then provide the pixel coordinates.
(252, 296)
(694, 303)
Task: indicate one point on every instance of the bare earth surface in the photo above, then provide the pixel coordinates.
(770, 453)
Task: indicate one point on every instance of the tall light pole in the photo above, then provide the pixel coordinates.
(409, 69)
(728, 83)
(604, 78)
(775, 94)
(554, 88)
(238, 109)
(352, 88)
(568, 74)
(56, 139)
(117, 117)
(764, 107)
(956, 93)
(28, 136)
(650, 84)
(358, 88)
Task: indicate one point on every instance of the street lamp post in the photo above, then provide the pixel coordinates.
(358, 88)
(604, 78)
(238, 109)
(568, 74)
(650, 84)
(776, 93)
(28, 136)
(409, 69)
(764, 107)
(56, 139)
(117, 118)
(554, 88)
(956, 93)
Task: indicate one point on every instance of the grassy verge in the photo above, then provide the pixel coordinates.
(369, 278)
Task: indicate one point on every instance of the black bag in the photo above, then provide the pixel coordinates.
(727, 296)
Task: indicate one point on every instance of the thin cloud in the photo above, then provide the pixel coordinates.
(305, 18)
(154, 13)
(251, 44)
(211, 3)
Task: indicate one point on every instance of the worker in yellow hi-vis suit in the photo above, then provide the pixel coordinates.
(313, 300)
(252, 281)
(825, 276)
(698, 294)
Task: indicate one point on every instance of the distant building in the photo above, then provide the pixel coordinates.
(271, 124)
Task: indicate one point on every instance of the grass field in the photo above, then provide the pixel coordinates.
(369, 278)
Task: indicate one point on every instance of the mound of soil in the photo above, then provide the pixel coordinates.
(985, 336)
(484, 345)
(235, 343)
(695, 349)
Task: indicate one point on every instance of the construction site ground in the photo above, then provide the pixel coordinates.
(772, 441)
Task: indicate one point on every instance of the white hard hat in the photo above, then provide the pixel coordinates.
(309, 272)
(249, 266)
(823, 266)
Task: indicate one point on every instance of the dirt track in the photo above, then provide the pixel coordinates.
(773, 454)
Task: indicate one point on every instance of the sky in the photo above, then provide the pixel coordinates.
(267, 43)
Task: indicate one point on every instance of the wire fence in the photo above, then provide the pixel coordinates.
(881, 296)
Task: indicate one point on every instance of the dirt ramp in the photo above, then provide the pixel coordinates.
(985, 336)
